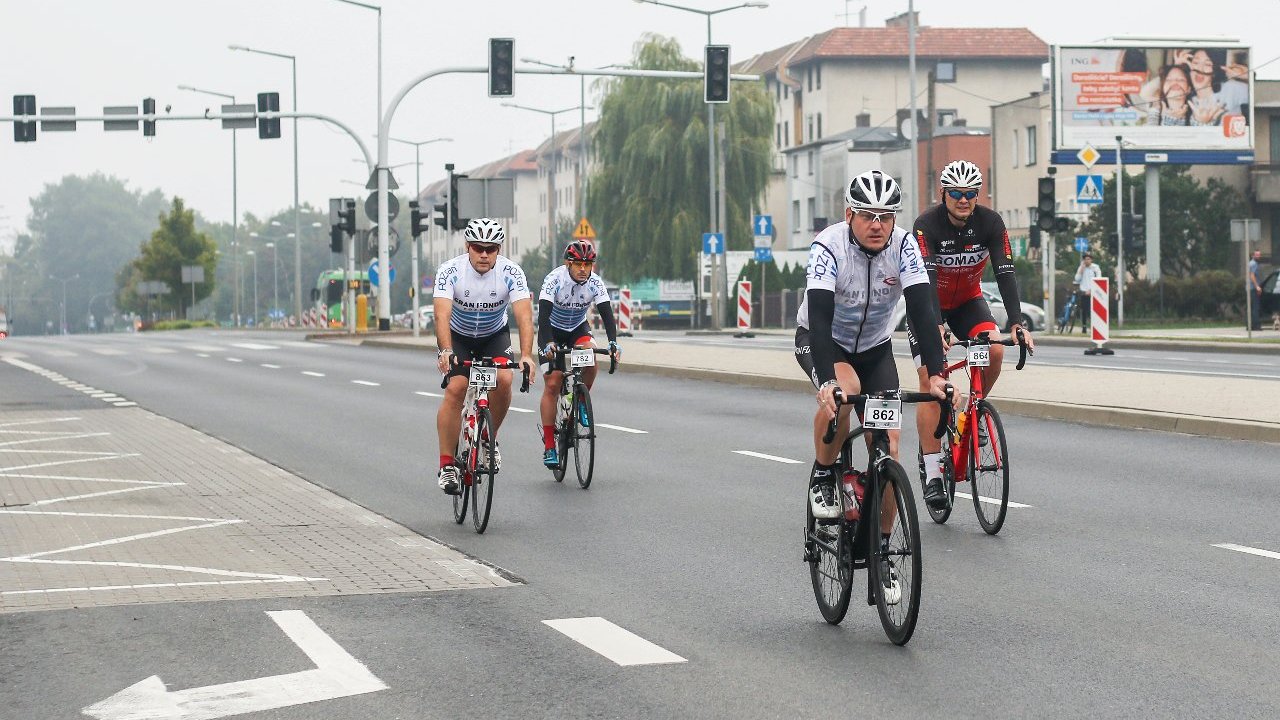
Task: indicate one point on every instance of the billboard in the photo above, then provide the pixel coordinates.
(1192, 96)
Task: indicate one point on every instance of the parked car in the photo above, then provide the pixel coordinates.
(426, 317)
(1032, 315)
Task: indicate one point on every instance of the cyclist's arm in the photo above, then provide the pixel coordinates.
(822, 310)
(524, 321)
(544, 322)
(606, 318)
(1006, 279)
(444, 335)
(919, 307)
(921, 239)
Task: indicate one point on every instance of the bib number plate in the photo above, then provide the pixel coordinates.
(883, 414)
(582, 358)
(484, 378)
(980, 356)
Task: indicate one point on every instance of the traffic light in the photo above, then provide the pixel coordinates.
(501, 75)
(1046, 204)
(149, 108)
(24, 131)
(416, 217)
(716, 74)
(349, 217)
(441, 215)
(1135, 234)
(268, 129)
(1033, 239)
(455, 222)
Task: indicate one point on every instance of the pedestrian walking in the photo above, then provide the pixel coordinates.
(1084, 288)
(1255, 289)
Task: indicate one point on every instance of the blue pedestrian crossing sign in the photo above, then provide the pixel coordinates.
(1089, 189)
(764, 254)
(1082, 243)
(712, 244)
(762, 225)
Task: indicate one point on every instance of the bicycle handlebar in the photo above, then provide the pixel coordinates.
(562, 350)
(455, 362)
(984, 339)
(906, 397)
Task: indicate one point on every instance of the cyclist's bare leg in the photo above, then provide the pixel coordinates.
(589, 373)
(449, 416)
(849, 384)
(888, 502)
(926, 419)
(992, 373)
(550, 395)
(500, 398)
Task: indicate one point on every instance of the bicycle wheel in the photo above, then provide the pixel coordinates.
(482, 479)
(460, 500)
(828, 549)
(898, 596)
(989, 472)
(948, 482)
(584, 436)
(563, 442)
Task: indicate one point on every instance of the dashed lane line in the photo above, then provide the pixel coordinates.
(992, 501)
(366, 382)
(312, 373)
(763, 456)
(269, 366)
(621, 646)
(620, 428)
(234, 359)
(428, 394)
(1250, 550)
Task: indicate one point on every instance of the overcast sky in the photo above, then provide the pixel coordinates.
(91, 53)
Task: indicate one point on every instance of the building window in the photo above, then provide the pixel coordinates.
(946, 118)
(795, 165)
(810, 161)
(813, 213)
(808, 127)
(819, 126)
(777, 90)
(817, 76)
(944, 71)
(777, 132)
(1015, 148)
(786, 90)
(808, 78)
(1031, 145)
(795, 216)
(786, 131)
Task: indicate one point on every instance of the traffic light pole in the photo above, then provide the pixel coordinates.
(1119, 231)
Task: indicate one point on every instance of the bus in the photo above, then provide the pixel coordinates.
(329, 294)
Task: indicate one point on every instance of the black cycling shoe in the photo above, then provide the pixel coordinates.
(934, 496)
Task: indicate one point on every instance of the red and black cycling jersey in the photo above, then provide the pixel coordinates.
(956, 256)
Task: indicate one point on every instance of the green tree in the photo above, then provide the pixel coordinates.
(651, 143)
(173, 244)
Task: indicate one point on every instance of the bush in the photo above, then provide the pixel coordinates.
(178, 324)
(1212, 295)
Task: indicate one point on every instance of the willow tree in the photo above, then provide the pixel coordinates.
(649, 197)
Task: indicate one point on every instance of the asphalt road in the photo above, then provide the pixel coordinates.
(1107, 596)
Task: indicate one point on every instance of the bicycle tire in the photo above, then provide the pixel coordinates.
(460, 500)
(584, 436)
(898, 619)
(482, 479)
(989, 472)
(562, 445)
(830, 573)
(948, 483)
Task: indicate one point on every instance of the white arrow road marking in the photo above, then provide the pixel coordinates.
(622, 429)
(991, 501)
(621, 646)
(337, 674)
(1247, 549)
(774, 458)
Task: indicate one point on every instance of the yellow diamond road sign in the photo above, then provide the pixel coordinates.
(584, 231)
(1088, 156)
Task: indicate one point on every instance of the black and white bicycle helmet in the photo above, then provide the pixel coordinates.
(873, 190)
(484, 230)
(960, 174)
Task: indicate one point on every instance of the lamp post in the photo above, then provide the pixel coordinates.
(582, 122)
(551, 176)
(62, 310)
(415, 247)
(297, 223)
(235, 219)
(275, 279)
(378, 9)
(713, 222)
(254, 255)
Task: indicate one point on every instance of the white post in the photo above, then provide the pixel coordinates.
(1119, 231)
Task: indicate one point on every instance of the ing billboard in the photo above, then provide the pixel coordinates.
(1191, 96)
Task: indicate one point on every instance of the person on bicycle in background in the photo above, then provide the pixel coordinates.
(568, 292)
(856, 272)
(472, 294)
(956, 238)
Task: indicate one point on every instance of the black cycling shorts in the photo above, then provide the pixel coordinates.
(580, 335)
(875, 368)
(497, 345)
(966, 320)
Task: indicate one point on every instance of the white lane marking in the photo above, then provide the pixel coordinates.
(366, 382)
(39, 422)
(127, 403)
(231, 359)
(775, 458)
(81, 478)
(203, 349)
(108, 351)
(312, 374)
(621, 646)
(60, 353)
(991, 501)
(1250, 550)
(1161, 370)
(270, 366)
(68, 513)
(68, 462)
(520, 410)
(428, 394)
(622, 429)
(98, 588)
(202, 354)
(161, 350)
(255, 346)
(48, 439)
(117, 541)
(42, 503)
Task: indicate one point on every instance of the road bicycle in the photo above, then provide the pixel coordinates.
(835, 548)
(478, 439)
(575, 420)
(974, 447)
(1067, 320)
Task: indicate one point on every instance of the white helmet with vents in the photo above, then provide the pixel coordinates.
(960, 174)
(873, 190)
(484, 230)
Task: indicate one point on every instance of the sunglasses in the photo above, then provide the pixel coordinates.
(885, 216)
(581, 264)
(484, 249)
(958, 194)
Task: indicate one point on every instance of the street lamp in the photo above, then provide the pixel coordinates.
(378, 120)
(254, 255)
(235, 219)
(551, 175)
(62, 311)
(417, 159)
(582, 121)
(297, 226)
(712, 220)
(275, 267)
(415, 250)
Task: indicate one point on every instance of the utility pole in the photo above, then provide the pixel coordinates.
(1119, 231)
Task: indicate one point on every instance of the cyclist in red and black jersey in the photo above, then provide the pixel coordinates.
(957, 238)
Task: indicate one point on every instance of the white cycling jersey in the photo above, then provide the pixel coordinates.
(569, 300)
(867, 287)
(480, 301)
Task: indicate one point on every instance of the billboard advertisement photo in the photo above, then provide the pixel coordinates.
(1190, 97)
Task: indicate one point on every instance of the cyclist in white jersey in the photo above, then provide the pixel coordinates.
(567, 295)
(856, 272)
(472, 294)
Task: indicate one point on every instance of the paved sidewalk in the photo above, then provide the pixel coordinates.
(1213, 406)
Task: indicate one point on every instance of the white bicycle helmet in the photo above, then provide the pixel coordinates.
(873, 190)
(960, 174)
(484, 230)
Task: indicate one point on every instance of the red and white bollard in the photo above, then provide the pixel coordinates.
(1099, 317)
(744, 309)
(624, 312)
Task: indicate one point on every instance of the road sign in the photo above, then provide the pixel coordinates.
(713, 243)
(762, 225)
(1082, 244)
(373, 273)
(371, 206)
(1250, 227)
(762, 241)
(584, 231)
(1089, 189)
(393, 241)
(764, 254)
(1088, 156)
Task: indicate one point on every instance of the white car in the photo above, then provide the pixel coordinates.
(1032, 315)
(426, 317)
